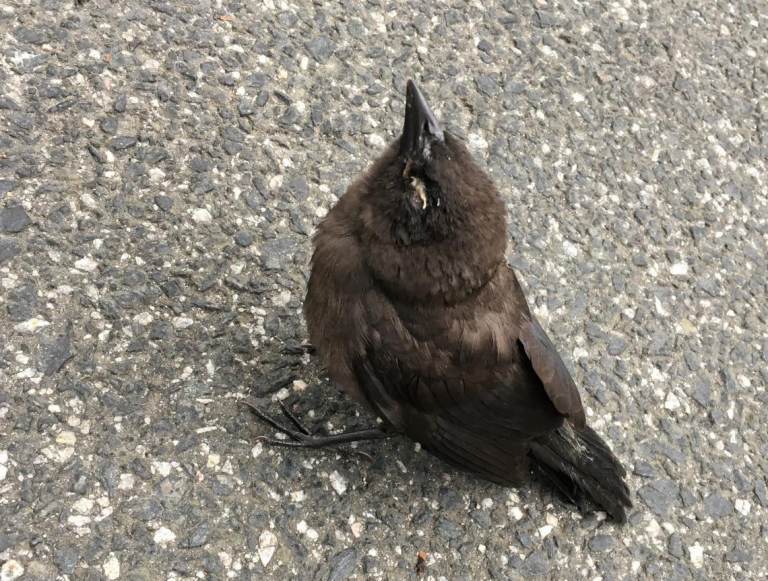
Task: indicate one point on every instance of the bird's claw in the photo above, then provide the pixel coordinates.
(297, 436)
(301, 437)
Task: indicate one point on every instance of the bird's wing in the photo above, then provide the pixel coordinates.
(552, 372)
(474, 432)
(476, 417)
(477, 412)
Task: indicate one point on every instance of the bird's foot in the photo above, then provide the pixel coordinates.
(301, 437)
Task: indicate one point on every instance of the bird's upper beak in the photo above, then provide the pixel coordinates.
(421, 128)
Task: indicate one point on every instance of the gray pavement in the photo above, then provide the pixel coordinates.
(162, 167)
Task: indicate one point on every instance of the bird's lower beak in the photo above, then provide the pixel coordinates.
(421, 128)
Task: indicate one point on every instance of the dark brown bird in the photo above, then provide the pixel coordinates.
(414, 310)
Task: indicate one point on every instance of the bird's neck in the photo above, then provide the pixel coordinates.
(447, 272)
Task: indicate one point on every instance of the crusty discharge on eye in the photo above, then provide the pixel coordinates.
(418, 187)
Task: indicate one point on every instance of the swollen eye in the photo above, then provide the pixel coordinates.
(419, 198)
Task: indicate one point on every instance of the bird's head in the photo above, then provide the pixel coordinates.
(426, 202)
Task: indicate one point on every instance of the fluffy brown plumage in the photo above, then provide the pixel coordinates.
(415, 312)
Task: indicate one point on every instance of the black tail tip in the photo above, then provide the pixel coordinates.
(614, 500)
(583, 470)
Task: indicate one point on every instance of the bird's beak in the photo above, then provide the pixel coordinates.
(421, 128)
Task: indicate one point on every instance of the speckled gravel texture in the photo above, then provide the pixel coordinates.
(162, 167)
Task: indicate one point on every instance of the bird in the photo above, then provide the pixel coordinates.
(416, 314)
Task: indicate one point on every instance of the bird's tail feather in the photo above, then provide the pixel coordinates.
(582, 467)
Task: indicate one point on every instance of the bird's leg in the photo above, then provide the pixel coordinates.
(301, 437)
(300, 349)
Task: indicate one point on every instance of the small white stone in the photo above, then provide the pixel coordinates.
(282, 299)
(357, 529)
(111, 567)
(548, 51)
(580, 352)
(577, 97)
(653, 529)
(156, 174)
(78, 520)
(83, 506)
(696, 553)
(299, 385)
(338, 482)
(679, 268)
(743, 506)
(209, 367)
(376, 140)
(703, 164)
(66, 438)
(282, 394)
(31, 325)
(182, 322)
(60, 455)
(127, 482)
(544, 531)
(162, 468)
(144, 318)
(620, 12)
(3, 456)
(257, 450)
(672, 402)
(226, 559)
(516, 513)
(163, 536)
(275, 182)
(201, 215)
(3, 472)
(570, 249)
(11, 569)
(86, 264)
(477, 142)
(88, 201)
(151, 64)
(304, 529)
(267, 546)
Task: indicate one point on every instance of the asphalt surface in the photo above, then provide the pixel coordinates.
(162, 167)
